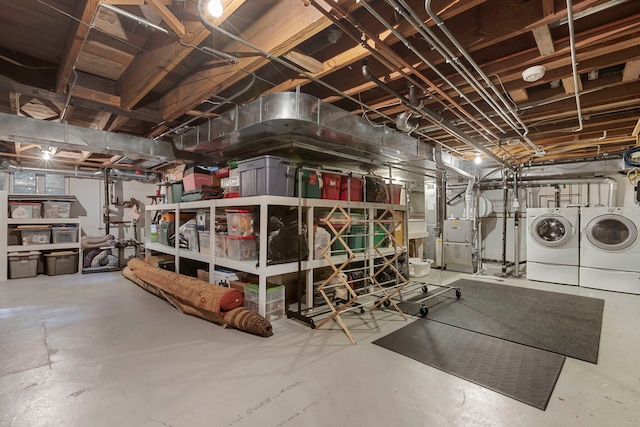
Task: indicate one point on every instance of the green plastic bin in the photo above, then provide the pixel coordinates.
(310, 186)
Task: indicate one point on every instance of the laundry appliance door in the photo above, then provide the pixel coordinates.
(551, 230)
(611, 232)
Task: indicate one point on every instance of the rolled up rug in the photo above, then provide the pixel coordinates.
(188, 290)
(248, 321)
(192, 296)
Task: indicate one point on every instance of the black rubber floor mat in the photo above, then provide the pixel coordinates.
(523, 373)
(565, 324)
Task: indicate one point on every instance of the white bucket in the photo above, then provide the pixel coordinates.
(419, 267)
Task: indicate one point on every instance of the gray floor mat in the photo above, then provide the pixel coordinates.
(565, 324)
(523, 373)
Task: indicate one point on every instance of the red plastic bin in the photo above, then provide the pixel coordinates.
(356, 185)
(331, 183)
(396, 189)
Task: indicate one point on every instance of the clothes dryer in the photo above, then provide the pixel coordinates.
(553, 245)
(610, 249)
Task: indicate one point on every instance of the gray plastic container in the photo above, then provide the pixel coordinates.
(266, 175)
(23, 264)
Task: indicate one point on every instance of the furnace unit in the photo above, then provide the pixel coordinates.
(458, 238)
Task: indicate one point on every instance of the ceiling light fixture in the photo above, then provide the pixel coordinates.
(215, 8)
(478, 159)
(46, 154)
(533, 74)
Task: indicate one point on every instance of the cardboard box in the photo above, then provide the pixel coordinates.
(239, 285)
(175, 174)
(196, 180)
(224, 277)
(203, 274)
(158, 260)
(191, 169)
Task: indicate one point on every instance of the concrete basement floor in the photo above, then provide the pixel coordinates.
(97, 350)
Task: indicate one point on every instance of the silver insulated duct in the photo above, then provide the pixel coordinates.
(296, 125)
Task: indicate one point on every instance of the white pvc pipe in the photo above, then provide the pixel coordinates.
(574, 64)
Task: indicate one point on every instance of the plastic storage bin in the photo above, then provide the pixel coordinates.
(190, 232)
(163, 232)
(64, 234)
(39, 236)
(419, 267)
(241, 248)
(56, 209)
(232, 184)
(24, 210)
(275, 304)
(64, 262)
(239, 222)
(352, 189)
(266, 175)
(394, 191)
(358, 239)
(23, 264)
(204, 241)
(177, 191)
(310, 185)
(220, 248)
(331, 183)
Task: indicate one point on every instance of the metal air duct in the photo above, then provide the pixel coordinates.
(291, 122)
(62, 135)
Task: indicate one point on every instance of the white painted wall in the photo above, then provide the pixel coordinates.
(90, 194)
(575, 194)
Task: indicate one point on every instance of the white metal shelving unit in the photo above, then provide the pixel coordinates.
(6, 249)
(261, 204)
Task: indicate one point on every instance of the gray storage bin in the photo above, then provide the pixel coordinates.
(23, 264)
(266, 175)
(64, 262)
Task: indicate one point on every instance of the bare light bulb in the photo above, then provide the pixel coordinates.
(478, 159)
(46, 155)
(215, 8)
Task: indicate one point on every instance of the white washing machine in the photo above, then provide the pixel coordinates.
(553, 250)
(610, 249)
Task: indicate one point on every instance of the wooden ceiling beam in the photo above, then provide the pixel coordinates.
(76, 35)
(558, 65)
(116, 122)
(631, 71)
(544, 40)
(168, 17)
(636, 129)
(302, 23)
(134, 2)
(548, 8)
(93, 95)
(519, 95)
(569, 86)
(14, 103)
(84, 155)
(159, 58)
(96, 101)
(359, 52)
(306, 62)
